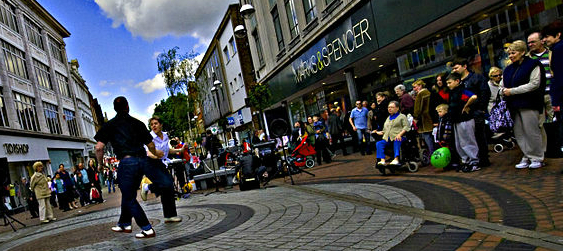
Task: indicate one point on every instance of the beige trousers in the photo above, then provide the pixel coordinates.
(45, 209)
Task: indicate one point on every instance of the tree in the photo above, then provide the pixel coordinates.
(178, 71)
(259, 97)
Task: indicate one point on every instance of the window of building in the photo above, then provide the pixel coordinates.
(277, 27)
(8, 16)
(62, 81)
(27, 115)
(258, 47)
(52, 117)
(43, 75)
(14, 60)
(226, 53)
(236, 84)
(56, 51)
(241, 81)
(327, 2)
(71, 122)
(310, 10)
(3, 113)
(34, 33)
(232, 88)
(233, 46)
(291, 18)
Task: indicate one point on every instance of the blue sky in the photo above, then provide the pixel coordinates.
(116, 43)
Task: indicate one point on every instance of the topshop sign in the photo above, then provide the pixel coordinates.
(12, 148)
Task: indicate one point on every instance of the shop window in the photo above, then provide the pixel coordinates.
(25, 109)
(3, 113)
(52, 118)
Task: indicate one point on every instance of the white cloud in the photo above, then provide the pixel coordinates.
(155, 54)
(151, 85)
(153, 19)
(150, 108)
(105, 94)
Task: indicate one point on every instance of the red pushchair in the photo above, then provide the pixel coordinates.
(301, 153)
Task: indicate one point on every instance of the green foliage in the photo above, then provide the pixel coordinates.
(177, 69)
(174, 113)
(259, 96)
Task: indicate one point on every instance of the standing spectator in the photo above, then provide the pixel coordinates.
(552, 37)
(53, 197)
(297, 134)
(477, 84)
(336, 130)
(85, 180)
(359, 121)
(30, 198)
(406, 102)
(81, 187)
(69, 186)
(464, 124)
(59, 185)
(321, 140)
(109, 179)
(421, 113)
(310, 128)
(495, 76)
(381, 110)
(542, 54)
(94, 177)
(523, 86)
(40, 186)
(438, 96)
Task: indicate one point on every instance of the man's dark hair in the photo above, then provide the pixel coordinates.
(120, 104)
(208, 132)
(552, 29)
(460, 61)
(454, 76)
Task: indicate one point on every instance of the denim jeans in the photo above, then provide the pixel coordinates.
(110, 186)
(380, 148)
(130, 175)
(363, 133)
(163, 185)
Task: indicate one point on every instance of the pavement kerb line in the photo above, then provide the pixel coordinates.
(510, 233)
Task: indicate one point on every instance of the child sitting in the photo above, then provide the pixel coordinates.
(464, 124)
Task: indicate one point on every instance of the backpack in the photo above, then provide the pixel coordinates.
(500, 119)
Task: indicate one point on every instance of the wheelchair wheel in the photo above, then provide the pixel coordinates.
(424, 157)
(412, 167)
(498, 148)
(309, 163)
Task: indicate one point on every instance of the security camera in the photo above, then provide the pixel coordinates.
(246, 11)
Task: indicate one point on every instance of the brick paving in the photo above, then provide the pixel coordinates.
(348, 205)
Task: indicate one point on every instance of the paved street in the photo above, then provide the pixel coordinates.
(347, 206)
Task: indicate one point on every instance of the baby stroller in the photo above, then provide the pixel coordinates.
(303, 154)
(502, 140)
(500, 123)
(411, 157)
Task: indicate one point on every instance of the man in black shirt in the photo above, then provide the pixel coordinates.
(127, 136)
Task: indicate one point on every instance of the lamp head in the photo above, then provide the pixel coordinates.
(240, 31)
(213, 89)
(217, 83)
(246, 11)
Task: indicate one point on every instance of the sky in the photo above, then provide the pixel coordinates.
(116, 43)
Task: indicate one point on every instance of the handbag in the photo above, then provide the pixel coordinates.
(94, 194)
(500, 118)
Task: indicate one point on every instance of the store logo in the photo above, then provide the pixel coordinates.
(11, 148)
(333, 51)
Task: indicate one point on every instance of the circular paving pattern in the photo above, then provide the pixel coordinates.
(267, 219)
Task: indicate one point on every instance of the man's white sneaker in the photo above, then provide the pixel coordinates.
(522, 165)
(126, 229)
(146, 234)
(173, 219)
(535, 164)
(144, 191)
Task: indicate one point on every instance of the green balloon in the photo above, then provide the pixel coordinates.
(441, 157)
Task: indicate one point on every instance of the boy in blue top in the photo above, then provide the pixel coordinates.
(359, 121)
(464, 124)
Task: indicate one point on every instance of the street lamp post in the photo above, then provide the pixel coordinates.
(215, 89)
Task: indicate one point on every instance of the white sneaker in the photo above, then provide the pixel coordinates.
(523, 164)
(535, 164)
(381, 162)
(394, 162)
(144, 191)
(126, 229)
(173, 219)
(146, 234)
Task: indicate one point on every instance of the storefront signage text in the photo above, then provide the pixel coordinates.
(11, 148)
(333, 51)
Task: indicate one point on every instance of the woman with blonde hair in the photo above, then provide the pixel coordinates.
(39, 185)
(495, 76)
(523, 88)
